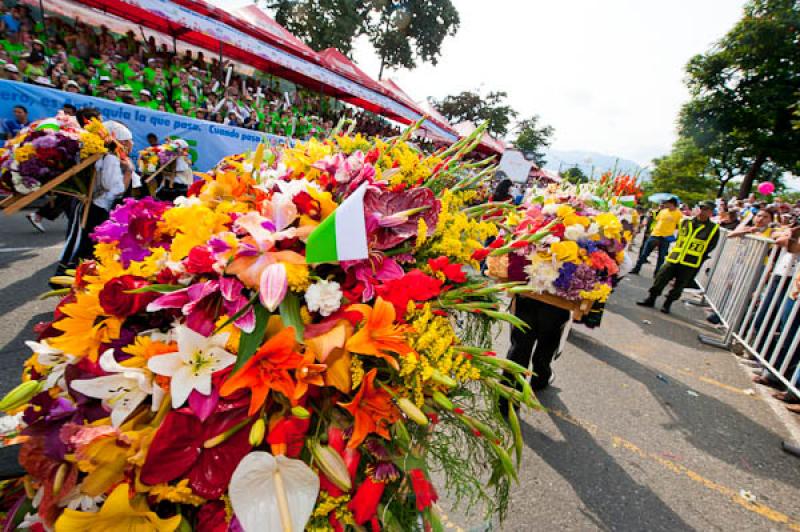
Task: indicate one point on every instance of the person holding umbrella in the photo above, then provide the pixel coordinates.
(661, 236)
(697, 238)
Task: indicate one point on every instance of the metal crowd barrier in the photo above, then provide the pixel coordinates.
(748, 285)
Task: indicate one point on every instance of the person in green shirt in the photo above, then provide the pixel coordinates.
(35, 69)
(146, 99)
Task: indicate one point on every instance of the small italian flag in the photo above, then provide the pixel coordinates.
(342, 235)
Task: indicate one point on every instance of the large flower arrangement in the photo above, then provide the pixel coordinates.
(565, 240)
(44, 150)
(199, 374)
(153, 157)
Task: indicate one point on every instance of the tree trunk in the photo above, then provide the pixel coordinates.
(380, 72)
(747, 182)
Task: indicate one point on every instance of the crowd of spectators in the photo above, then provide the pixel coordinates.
(74, 56)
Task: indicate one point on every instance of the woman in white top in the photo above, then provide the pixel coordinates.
(184, 176)
(112, 178)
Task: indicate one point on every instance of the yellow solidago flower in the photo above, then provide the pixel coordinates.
(24, 153)
(180, 493)
(422, 233)
(356, 371)
(119, 513)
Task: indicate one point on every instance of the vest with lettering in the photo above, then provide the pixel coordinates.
(693, 240)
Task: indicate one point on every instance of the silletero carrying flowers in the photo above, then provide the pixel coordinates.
(277, 351)
(564, 240)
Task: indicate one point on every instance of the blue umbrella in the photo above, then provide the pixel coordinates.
(661, 197)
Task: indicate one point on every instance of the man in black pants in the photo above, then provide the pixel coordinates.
(539, 343)
(697, 238)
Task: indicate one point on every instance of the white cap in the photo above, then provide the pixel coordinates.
(43, 80)
(145, 92)
(105, 78)
(180, 143)
(11, 67)
(118, 130)
(72, 83)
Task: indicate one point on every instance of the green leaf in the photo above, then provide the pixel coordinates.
(158, 288)
(290, 314)
(250, 342)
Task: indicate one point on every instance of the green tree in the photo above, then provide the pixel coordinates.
(743, 91)
(684, 172)
(575, 175)
(533, 138)
(403, 32)
(470, 105)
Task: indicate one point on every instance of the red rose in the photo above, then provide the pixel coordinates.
(200, 260)
(116, 299)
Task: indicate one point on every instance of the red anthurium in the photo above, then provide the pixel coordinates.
(452, 272)
(287, 435)
(413, 286)
(480, 254)
(183, 448)
(364, 503)
(423, 489)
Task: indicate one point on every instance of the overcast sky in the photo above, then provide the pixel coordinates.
(608, 75)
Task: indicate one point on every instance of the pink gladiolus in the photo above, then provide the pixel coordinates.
(273, 286)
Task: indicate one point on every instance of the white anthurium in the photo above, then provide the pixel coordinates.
(53, 359)
(123, 390)
(273, 493)
(191, 367)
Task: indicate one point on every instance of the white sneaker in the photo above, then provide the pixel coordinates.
(36, 221)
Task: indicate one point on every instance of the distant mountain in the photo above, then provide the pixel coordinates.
(587, 160)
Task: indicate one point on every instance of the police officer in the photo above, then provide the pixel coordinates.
(697, 237)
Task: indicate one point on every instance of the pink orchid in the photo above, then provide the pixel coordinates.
(258, 264)
(200, 304)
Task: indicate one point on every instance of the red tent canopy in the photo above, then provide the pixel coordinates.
(341, 64)
(200, 24)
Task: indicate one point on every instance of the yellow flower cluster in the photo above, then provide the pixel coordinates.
(566, 251)
(192, 225)
(356, 371)
(350, 144)
(457, 235)
(609, 224)
(300, 158)
(422, 233)
(433, 341)
(410, 169)
(297, 276)
(600, 293)
(181, 493)
(24, 153)
(91, 144)
(325, 505)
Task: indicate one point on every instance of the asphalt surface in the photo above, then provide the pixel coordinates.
(646, 428)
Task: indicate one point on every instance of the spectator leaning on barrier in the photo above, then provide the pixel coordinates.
(697, 237)
(661, 235)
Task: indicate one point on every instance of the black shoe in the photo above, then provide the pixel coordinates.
(649, 302)
(542, 380)
(666, 306)
(634, 271)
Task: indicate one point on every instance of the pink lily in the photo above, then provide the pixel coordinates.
(373, 271)
(347, 169)
(199, 303)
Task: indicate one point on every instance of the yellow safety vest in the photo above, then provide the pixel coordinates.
(690, 248)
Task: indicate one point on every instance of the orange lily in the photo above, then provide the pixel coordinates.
(372, 410)
(379, 336)
(329, 347)
(267, 370)
(308, 373)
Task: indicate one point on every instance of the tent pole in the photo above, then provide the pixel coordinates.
(44, 24)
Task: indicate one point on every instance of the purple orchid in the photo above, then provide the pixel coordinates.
(373, 271)
(132, 226)
(200, 304)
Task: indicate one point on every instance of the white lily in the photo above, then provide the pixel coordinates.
(54, 359)
(191, 367)
(273, 493)
(122, 391)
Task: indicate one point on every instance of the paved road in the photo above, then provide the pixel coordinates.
(646, 429)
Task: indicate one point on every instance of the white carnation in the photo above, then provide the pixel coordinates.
(324, 297)
(575, 232)
(550, 208)
(542, 274)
